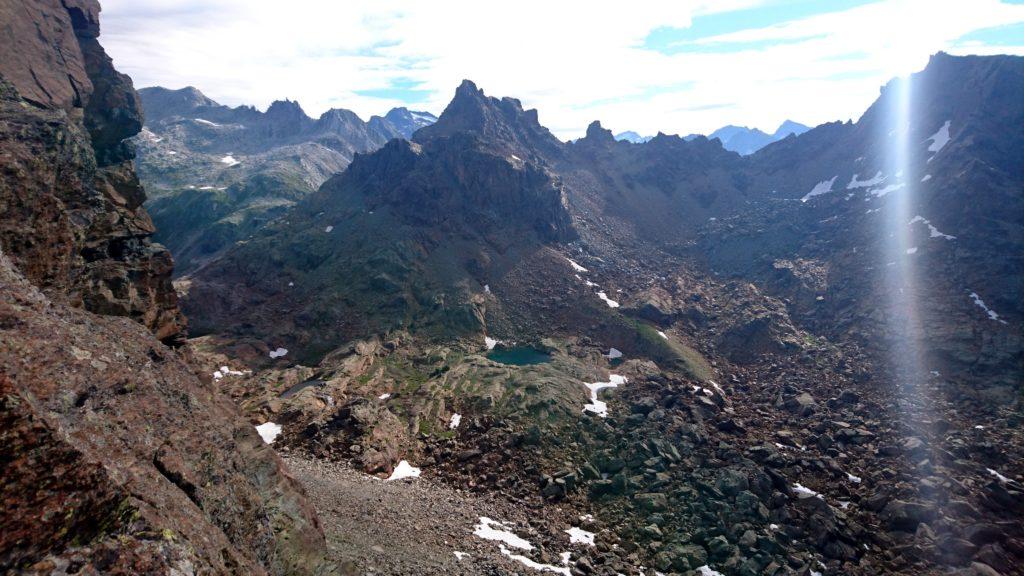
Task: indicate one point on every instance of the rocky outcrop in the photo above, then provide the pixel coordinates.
(117, 458)
(71, 213)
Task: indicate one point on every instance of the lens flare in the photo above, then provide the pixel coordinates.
(899, 251)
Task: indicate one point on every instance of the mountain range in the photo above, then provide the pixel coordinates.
(739, 139)
(767, 300)
(214, 174)
(593, 357)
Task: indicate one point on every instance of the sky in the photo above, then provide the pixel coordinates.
(672, 66)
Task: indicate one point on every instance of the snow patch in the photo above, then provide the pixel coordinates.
(207, 122)
(229, 160)
(939, 139)
(384, 396)
(926, 178)
(933, 232)
(404, 470)
(852, 478)
(460, 555)
(981, 304)
(580, 536)
(823, 187)
(536, 565)
(611, 303)
(280, 352)
(269, 431)
(805, 491)
(493, 530)
(1000, 477)
(881, 192)
(912, 250)
(328, 229)
(706, 570)
(225, 371)
(613, 354)
(596, 406)
(875, 181)
(662, 334)
(576, 266)
(491, 342)
(455, 421)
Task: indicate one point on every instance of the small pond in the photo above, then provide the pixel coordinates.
(519, 356)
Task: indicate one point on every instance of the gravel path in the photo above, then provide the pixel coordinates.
(412, 526)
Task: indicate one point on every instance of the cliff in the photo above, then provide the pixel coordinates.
(117, 458)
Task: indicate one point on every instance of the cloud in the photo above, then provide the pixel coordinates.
(574, 60)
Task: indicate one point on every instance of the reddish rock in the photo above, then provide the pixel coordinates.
(71, 215)
(116, 458)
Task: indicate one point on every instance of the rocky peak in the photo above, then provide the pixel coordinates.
(503, 124)
(789, 127)
(285, 118)
(163, 102)
(286, 111)
(406, 122)
(598, 134)
(338, 119)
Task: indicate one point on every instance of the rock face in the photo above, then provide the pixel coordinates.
(215, 173)
(71, 213)
(117, 458)
(923, 228)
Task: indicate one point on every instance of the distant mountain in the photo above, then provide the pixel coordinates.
(630, 136)
(214, 173)
(402, 122)
(745, 141)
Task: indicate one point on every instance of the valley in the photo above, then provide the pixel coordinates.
(237, 341)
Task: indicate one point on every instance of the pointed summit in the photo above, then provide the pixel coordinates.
(597, 136)
(789, 127)
(286, 118)
(597, 132)
(501, 123)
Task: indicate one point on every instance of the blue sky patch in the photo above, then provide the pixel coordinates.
(669, 40)
(404, 89)
(1009, 35)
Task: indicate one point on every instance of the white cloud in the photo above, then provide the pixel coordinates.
(574, 60)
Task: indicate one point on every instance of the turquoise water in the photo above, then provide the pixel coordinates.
(519, 356)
